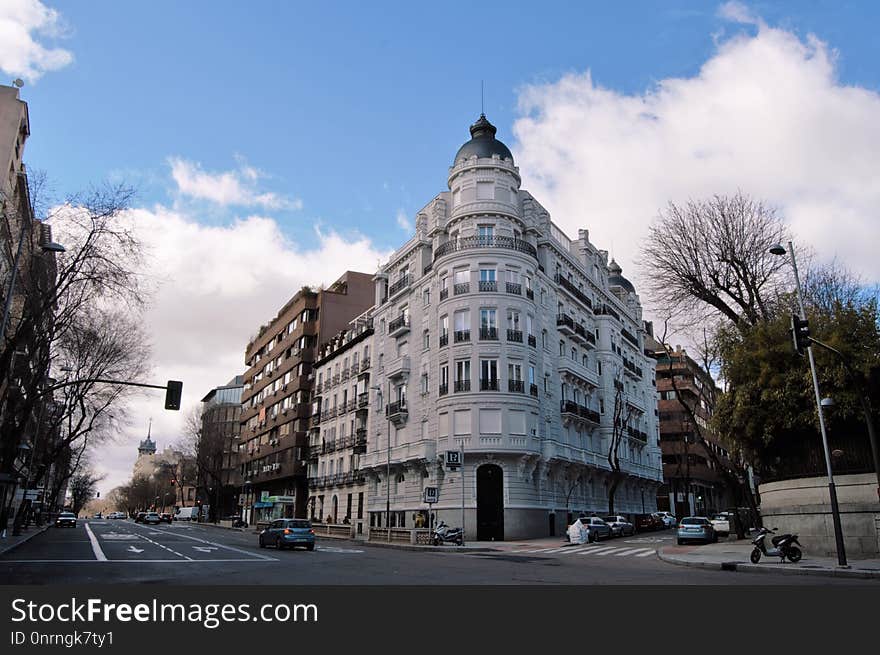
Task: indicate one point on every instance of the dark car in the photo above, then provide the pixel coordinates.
(282, 533)
(644, 522)
(139, 517)
(66, 519)
(151, 518)
(165, 517)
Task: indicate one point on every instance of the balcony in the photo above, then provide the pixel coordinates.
(565, 323)
(489, 385)
(351, 405)
(514, 287)
(461, 287)
(399, 326)
(468, 243)
(360, 441)
(533, 342)
(444, 294)
(626, 334)
(514, 335)
(400, 285)
(488, 334)
(572, 411)
(533, 390)
(365, 365)
(516, 386)
(488, 285)
(461, 336)
(355, 368)
(632, 369)
(363, 400)
(444, 339)
(335, 379)
(462, 386)
(569, 286)
(398, 368)
(397, 412)
(530, 294)
(443, 390)
(605, 310)
(638, 435)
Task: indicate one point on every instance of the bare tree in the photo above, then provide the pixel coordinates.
(83, 486)
(79, 311)
(622, 414)
(711, 257)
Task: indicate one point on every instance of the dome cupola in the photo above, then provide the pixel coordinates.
(483, 143)
(616, 278)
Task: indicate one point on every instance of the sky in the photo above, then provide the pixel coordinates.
(275, 144)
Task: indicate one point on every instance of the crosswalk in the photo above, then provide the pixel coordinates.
(596, 550)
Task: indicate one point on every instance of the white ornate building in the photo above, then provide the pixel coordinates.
(498, 336)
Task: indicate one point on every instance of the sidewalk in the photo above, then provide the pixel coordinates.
(734, 556)
(10, 542)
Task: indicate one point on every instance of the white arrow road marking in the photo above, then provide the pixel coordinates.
(204, 549)
(96, 548)
(227, 547)
(133, 549)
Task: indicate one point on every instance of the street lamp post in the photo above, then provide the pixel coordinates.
(832, 492)
(378, 390)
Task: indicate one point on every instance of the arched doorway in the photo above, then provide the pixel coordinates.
(490, 503)
(335, 509)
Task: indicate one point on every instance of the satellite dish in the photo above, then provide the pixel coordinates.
(18, 82)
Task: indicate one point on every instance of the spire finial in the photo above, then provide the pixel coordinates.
(482, 107)
(149, 428)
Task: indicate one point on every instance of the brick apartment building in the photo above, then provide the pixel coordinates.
(277, 394)
(692, 483)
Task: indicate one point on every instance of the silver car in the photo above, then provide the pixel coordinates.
(597, 527)
(620, 527)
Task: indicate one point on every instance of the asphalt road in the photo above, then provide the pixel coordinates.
(116, 551)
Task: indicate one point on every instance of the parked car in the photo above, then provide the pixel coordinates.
(139, 517)
(660, 521)
(696, 528)
(283, 533)
(151, 518)
(620, 526)
(116, 515)
(644, 522)
(598, 528)
(721, 523)
(65, 519)
(97, 515)
(668, 519)
(165, 517)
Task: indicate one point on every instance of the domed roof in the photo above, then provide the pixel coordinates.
(616, 278)
(483, 143)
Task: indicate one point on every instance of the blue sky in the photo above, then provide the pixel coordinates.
(354, 108)
(275, 144)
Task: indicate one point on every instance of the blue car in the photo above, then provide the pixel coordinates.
(696, 528)
(283, 533)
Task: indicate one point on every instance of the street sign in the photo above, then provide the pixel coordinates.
(431, 495)
(453, 459)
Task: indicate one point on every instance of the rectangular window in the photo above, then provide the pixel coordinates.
(487, 319)
(462, 320)
(514, 372)
(487, 275)
(513, 319)
(461, 276)
(489, 369)
(463, 370)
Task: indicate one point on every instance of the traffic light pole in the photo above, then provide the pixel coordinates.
(832, 491)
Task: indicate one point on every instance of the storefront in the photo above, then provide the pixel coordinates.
(269, 508)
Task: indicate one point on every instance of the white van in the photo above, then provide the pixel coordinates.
(187, 514)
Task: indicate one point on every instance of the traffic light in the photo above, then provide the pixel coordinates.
(800, 333)
(173, 392)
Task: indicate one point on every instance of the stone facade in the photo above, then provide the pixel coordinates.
(498, 336)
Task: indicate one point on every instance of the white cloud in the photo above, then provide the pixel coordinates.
(217, 285)
(765, 114)
(403, 221)
(737, 12)
(20, 52)
(226, 188)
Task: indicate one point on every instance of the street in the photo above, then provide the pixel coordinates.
(120, 551)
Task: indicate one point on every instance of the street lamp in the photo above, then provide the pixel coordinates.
(779, 250)
(378, 390)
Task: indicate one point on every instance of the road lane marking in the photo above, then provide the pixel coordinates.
(96, 547)
(598, 551)
(135, 549)
(627, 551)
(204, 549)
(130, 561)
(232, 548)
(650, 552)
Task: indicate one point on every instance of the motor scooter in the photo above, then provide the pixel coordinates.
(444, 534)
(783, 546)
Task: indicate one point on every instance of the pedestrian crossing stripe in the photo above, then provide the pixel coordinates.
(628, 551)
(651, 551)
(600, 551)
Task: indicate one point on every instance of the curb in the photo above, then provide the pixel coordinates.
(743, 567)
(10, 547)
